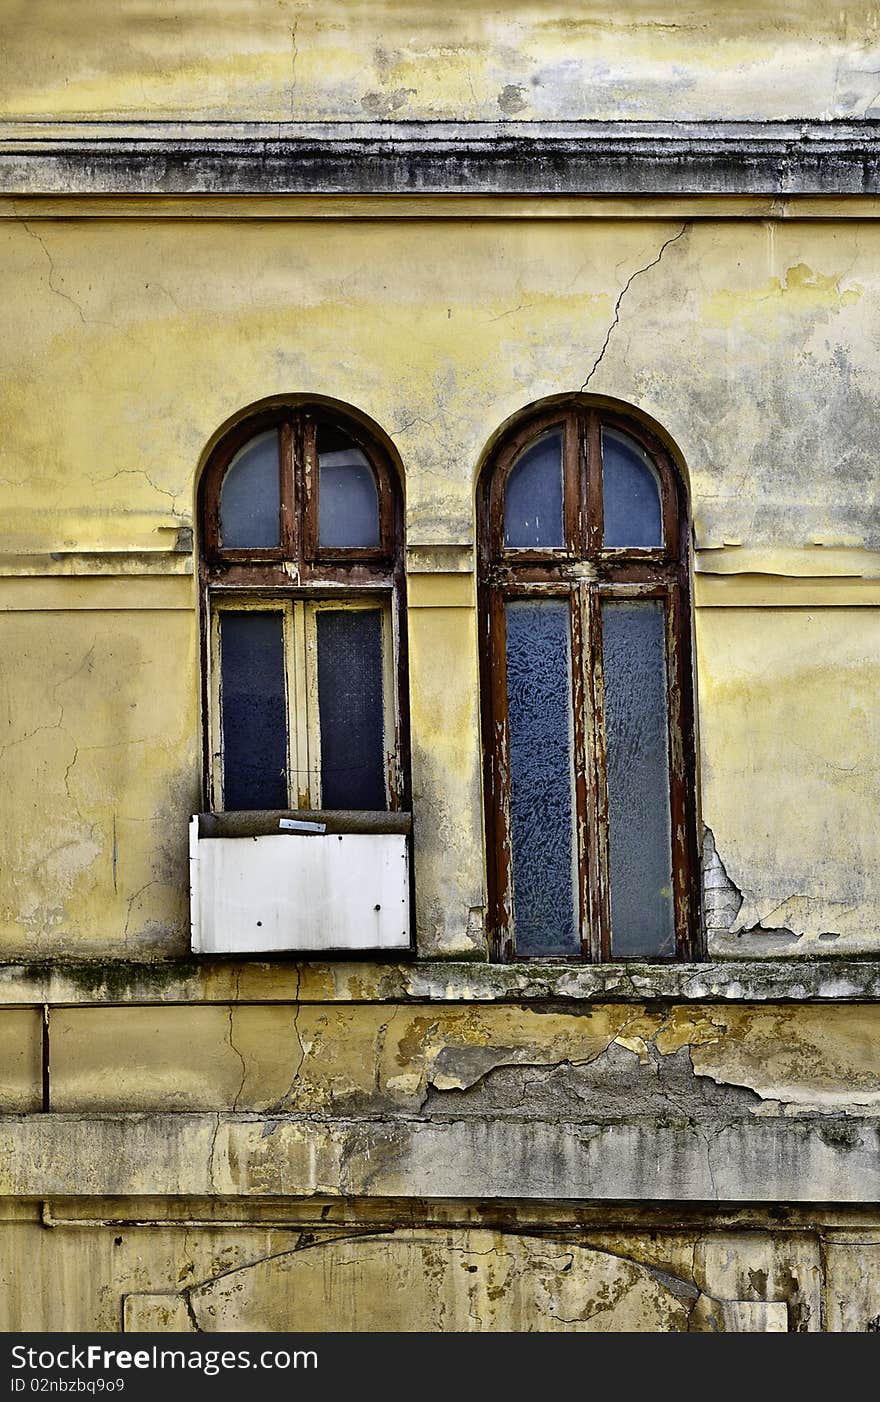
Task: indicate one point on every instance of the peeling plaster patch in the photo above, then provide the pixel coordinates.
(800, 289)
(615, 1085)
(459, 1068)
(637, 1045)
(382, 104)
(722, 900)
(736, 926)
(512, 99)
(806, 1061)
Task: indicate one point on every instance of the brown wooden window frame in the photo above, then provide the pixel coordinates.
(586, 572)
(300, 570)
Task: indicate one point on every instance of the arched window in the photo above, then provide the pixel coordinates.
(302, 589)
(588, 695)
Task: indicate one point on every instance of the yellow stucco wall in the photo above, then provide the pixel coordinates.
(132, 340)
(441, 1143)
(299, 60)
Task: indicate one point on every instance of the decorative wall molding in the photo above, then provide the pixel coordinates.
(503, 158)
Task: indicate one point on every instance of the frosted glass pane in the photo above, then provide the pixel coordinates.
(630, 494)
(254, 710)
(348, 502)
(249, 499)
(533, 496)
(539, 704)
(350, 708)
(637, 749)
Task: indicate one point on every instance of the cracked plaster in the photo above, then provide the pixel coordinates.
(707, 1063)
(287, 62)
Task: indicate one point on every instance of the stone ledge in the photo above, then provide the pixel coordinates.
(554, 158)
(102, 982)
(819, 1159)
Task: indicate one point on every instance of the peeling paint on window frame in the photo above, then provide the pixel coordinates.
(585, 572)
(299, 572)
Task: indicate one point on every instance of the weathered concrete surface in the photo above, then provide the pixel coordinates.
(853, 1275)
(537, 1063)
(21, 1060)
(167, 1275)
(437, 158)
(751, 1159)
(288, 61)
(758, 1266)
(76, 1280)
(738, 1268)
(120, 982)
(466, 1281)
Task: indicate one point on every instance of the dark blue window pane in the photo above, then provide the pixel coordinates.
(350, 708)
(630, 494)
(348, 502)
(637, 749)
(539, 703)
(533, 496)
(249, 499)
(254, 710)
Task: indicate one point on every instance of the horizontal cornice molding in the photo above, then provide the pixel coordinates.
(752, 1159)
(504, 158)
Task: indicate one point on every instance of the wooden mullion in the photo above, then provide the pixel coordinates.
(582, 765)
(592, 470)
(214, 711)
(671, 506)
(305, 481)
(572, 500)
(287, 493)
(601, 885)
(206, 690)
(386, 509)
(310, 717)
(500, 865)
(682, 760)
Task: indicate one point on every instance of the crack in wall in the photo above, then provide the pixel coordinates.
(53, 273)
(59, 292)
(230, 1039)
(283, 1102)
(620, 296)
(154, 881)
(292, 27)
(139, 472)
(211, 1152)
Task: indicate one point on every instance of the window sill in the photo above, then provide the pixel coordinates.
(205, 979)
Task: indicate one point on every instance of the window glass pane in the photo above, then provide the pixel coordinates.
(637, 751)
(249, 499)
(533, 496)
(630, 493)
(350, 707)
(253, 709)
(539, 703)
(348, 502)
